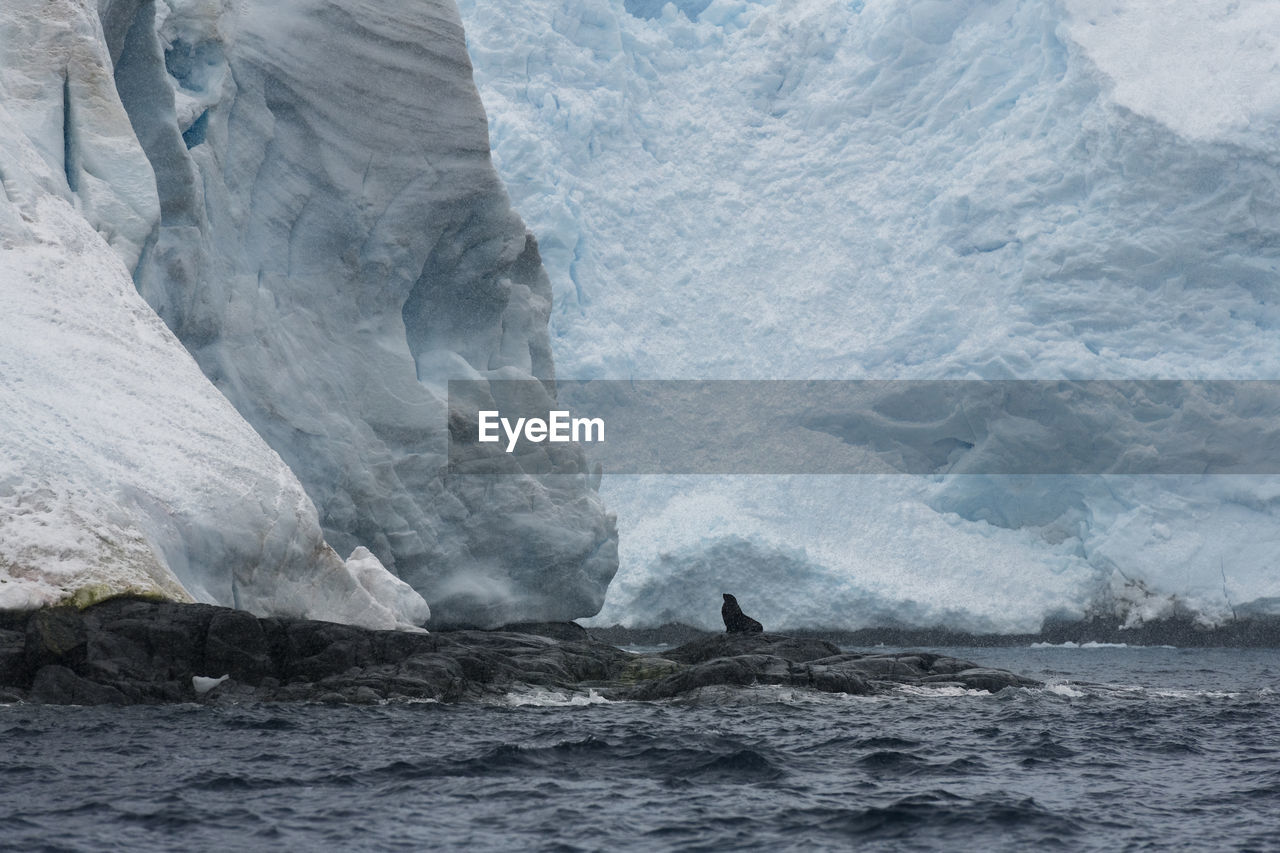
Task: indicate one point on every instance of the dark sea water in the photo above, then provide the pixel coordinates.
(1128, 749)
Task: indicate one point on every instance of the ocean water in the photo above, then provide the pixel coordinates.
(1125, 749)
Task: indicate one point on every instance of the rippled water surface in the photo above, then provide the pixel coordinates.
(1128, 748)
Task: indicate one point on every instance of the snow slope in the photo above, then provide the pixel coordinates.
(906, 189)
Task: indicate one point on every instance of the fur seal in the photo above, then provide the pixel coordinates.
(735, 621)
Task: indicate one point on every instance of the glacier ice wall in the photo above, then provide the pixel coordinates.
(333, 246)
(906, 189)
(122, 469)
(918, 189)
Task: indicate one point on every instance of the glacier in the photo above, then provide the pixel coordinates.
(303, 196)
(122, 470)
(907, 189)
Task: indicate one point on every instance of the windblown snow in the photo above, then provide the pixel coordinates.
(889, 189)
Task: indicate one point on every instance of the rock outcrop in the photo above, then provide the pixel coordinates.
(131, 651)
(746, 659)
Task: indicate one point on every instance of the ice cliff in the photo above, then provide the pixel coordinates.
(302, 192)
(907, 189)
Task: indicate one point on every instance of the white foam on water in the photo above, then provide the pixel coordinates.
(1064, 690)
(541, 698)
(948, 691)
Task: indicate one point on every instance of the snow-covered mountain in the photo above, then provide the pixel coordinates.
(303, 192)
(907, 189)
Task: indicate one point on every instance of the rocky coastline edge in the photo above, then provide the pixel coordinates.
(128, 651)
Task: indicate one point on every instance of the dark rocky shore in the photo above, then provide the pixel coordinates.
(133, 651)
(1183, 631)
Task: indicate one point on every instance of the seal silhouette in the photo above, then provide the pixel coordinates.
(735, 621)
